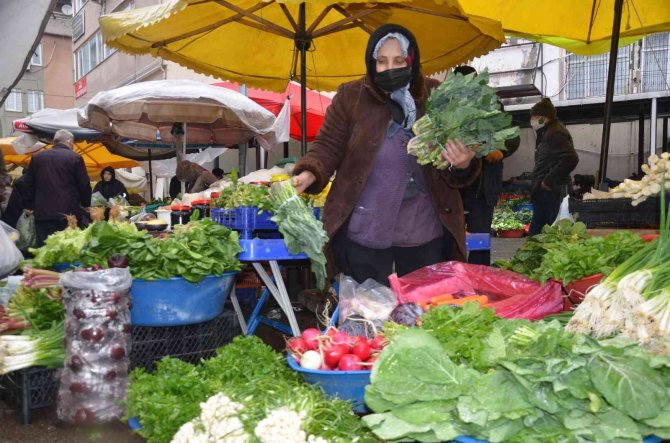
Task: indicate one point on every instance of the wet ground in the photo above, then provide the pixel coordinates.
(46, 428)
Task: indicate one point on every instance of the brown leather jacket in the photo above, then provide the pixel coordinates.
(348, 142)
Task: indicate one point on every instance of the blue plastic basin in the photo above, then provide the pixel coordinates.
(176, 301)
(63, 267)
(346, 385)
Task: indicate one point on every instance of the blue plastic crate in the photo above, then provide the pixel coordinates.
(478, 242)
(346, 385)
(177, 301)
(528, 206)
(247, 219)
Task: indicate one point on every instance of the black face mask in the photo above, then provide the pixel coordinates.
(392, 79)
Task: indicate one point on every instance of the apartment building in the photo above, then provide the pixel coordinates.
(48, 79)
(525, 70)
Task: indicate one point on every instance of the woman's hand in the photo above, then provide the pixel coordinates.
(458, 155)
(303, 181)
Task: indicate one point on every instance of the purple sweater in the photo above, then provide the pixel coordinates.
(394, 208)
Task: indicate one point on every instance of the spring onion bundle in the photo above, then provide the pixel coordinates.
(634, 299)
(302, 232)
(462, 108)
(37, 348)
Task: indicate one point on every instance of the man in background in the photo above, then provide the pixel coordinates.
(218, 173)
(555, 159)
(194, 174)
(56, 185)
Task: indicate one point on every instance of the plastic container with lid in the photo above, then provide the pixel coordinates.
(180, 215)
(203, 206)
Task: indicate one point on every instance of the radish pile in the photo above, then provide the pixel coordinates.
(334, 350)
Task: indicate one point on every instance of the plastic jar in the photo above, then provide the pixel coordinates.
(180, 215)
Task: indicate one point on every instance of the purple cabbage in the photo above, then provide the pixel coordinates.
(406, 314)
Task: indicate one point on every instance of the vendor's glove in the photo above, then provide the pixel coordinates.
(494, 156)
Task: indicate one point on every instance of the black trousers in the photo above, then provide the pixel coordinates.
(478, 220)
(361, 263)
(44, 228)
(546, 205)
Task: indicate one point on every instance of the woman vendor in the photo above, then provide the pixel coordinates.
(109, 186)
(386, 212)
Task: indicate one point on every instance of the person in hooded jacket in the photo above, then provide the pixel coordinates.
(384, 210)
(555, 159)
(109, 186)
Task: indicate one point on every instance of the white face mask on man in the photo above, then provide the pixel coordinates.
(537, 123)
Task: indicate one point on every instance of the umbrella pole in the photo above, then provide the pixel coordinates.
(151, 178)
(303, 44)
(611, 73)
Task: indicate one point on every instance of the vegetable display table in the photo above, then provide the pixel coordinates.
(257, 251)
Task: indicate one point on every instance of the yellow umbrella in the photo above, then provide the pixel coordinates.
(582, 27)
(258, 43)
(95, 155)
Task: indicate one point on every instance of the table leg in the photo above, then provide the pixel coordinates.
(281, 297)
(282, 290)
(238, 311)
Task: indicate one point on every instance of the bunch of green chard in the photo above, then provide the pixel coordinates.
(525, 382)
(302, 232)
(462, 108)
(635, 298)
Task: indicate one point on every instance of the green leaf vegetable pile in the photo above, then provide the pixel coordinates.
(242, 194)
(463, 108)
(302, 232)
(566, 253)
(196, 250)
(505, 219)
(248, 372)
(522, 382)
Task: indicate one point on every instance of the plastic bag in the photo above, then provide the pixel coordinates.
(370, 300)
(511, 295)
(564, 211)
(27, 234)
(97, 345)
(98, 200)
(10, 256)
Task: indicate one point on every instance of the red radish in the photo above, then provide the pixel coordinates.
(311, 336)
(340, 338)
(372, 359)
(350, 362)
(331, 331)
(378, 343)
(297, 345)
(361, 349)
(325, 367)
(333, 355)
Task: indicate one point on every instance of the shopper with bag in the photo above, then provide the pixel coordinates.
(384, 210)
(56, 185)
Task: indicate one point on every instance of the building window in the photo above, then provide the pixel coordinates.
(587, 75)
(656, 62)
(78, 4)
(91, 54)
(13, 102)
(35, 101)
(36, 59)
